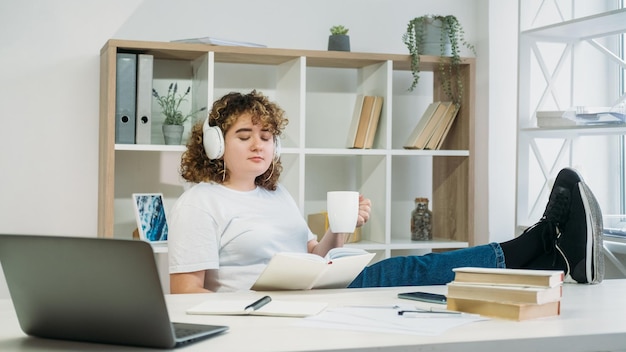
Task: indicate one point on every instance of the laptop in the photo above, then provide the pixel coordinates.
(92, 290)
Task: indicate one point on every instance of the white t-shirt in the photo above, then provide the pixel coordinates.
(237, 233)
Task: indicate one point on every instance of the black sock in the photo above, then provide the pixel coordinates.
(522, 250)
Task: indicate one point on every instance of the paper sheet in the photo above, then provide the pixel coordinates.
(387, 320)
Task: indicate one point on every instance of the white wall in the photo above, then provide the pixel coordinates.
(501, 63)
(49, 69)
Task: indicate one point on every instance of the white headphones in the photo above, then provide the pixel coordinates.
(213, 140)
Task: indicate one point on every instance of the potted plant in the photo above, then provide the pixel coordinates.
(339, 39)
(438, 35)
(174, 119)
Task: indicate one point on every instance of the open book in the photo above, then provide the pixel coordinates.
(305, 271)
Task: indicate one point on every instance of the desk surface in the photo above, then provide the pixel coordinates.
(593, 318)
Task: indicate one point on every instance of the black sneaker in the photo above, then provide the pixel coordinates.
(580, 242)
(557, 210)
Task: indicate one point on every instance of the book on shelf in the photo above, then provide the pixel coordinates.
(305, 271)
(419, 127)
(550, 113)
(581, 116)
(366, 111)
(318, 223)
(505, 276)
(505, 310)
(553, 118)
(505, 293)
(218, 41)
(354, 123)
(277, 308)
(372, 125)
(443, 127)
(429, 127)
(597, 115)
(364, 122)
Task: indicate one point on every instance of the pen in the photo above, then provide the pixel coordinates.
(258, 304)
(436, 311)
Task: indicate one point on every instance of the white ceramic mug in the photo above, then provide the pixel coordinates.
(343, 211)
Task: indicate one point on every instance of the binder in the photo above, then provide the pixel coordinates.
(143, 126)
(125, 95)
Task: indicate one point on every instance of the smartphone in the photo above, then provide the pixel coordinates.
(424, 297)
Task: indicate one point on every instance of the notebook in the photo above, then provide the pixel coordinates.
(92, 290)
(150, 216)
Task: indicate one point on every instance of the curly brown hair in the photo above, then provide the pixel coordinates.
(195, 165)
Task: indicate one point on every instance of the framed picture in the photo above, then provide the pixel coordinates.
(150, 215)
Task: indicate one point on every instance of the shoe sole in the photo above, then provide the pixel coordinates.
(594, 268)
(589, 271)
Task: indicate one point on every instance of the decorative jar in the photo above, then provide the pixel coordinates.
(421, 221)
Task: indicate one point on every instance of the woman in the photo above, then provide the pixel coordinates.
(224, 230)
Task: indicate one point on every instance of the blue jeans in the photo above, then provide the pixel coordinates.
(429, 269)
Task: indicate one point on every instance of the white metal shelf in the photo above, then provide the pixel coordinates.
(562, 65)
(595, 26)
(572, 131)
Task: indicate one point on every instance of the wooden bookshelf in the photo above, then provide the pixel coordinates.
(314, 156)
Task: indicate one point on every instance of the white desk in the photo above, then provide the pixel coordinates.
(593, 318)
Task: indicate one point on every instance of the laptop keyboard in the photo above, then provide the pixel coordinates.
(185, 330)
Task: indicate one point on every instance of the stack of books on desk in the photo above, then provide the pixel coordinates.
(516, 294)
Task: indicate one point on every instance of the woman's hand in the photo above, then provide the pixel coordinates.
(365, 207)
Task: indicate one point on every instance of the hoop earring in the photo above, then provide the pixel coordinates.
(271, 172)
(224, 173)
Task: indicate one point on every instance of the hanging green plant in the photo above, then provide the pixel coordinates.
(451, 37)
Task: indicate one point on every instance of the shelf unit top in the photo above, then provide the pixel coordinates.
(308, 151)
(271, 56)
(595, 26)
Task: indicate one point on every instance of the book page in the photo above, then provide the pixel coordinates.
(303, 271)
(342, 271)
(290, 271)
(340, 252)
